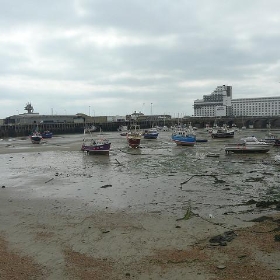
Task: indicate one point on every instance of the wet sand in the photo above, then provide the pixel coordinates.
(63, 218)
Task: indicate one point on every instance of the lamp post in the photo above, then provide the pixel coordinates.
(89, 110)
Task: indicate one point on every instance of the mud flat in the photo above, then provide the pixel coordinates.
(65, 215)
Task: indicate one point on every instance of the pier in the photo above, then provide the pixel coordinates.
(20, 130)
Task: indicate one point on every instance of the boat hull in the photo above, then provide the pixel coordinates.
(97, 149)
(242, 149)
(150, 136)
(184, 141)
(133, 142)
(36, 139)
(223, 135)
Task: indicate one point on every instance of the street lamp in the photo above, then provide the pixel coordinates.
(151, 108)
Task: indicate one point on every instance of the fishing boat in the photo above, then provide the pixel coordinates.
(184, 136)
(96, 145)
(248, 145)
(36, 137)
(271, 138)
(134, 136)
(222, 132)
(47, 134)
(151, 133)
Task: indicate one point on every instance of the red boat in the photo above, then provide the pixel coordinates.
(134, 136)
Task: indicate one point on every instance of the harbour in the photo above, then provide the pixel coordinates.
(156, 167)
(125, 206)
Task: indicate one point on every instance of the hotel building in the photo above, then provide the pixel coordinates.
(220, 103)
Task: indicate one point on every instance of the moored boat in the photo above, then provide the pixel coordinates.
(36, 138)
(184, 137)
(151, 133)
(248, 145)
(134, 136)
(222, 132)
(272, 139)
(123, 130)
(98, 145)
(47, 134)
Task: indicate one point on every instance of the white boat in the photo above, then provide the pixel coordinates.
(222, 132)
(36, 138)
(90, 129)
(248, 145)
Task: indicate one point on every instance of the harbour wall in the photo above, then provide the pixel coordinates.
(18, 130)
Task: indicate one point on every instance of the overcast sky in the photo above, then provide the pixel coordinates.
(102, 57)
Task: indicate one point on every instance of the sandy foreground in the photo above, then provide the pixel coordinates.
(59, 238)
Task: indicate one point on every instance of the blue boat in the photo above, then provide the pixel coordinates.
(47, 134)
(184, 137)
(150, 134)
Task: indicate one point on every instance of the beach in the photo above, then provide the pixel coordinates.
(67, 215)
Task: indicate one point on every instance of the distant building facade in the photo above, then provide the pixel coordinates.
(220, 103)
(262, 106)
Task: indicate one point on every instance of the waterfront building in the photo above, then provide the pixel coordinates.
(256, 107)
(220, 103)
(216, 104)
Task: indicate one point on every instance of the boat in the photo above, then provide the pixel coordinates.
(213, 155)
(36, 137)
(123, 130)
(222, 132)
(134, 136)
(184, 136)
(248, 144)
(270, 138)
(99, 145)
(151, 133)
(47, 134)
(90, 129)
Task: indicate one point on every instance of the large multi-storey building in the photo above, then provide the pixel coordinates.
(220, 103)
(262, 106)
